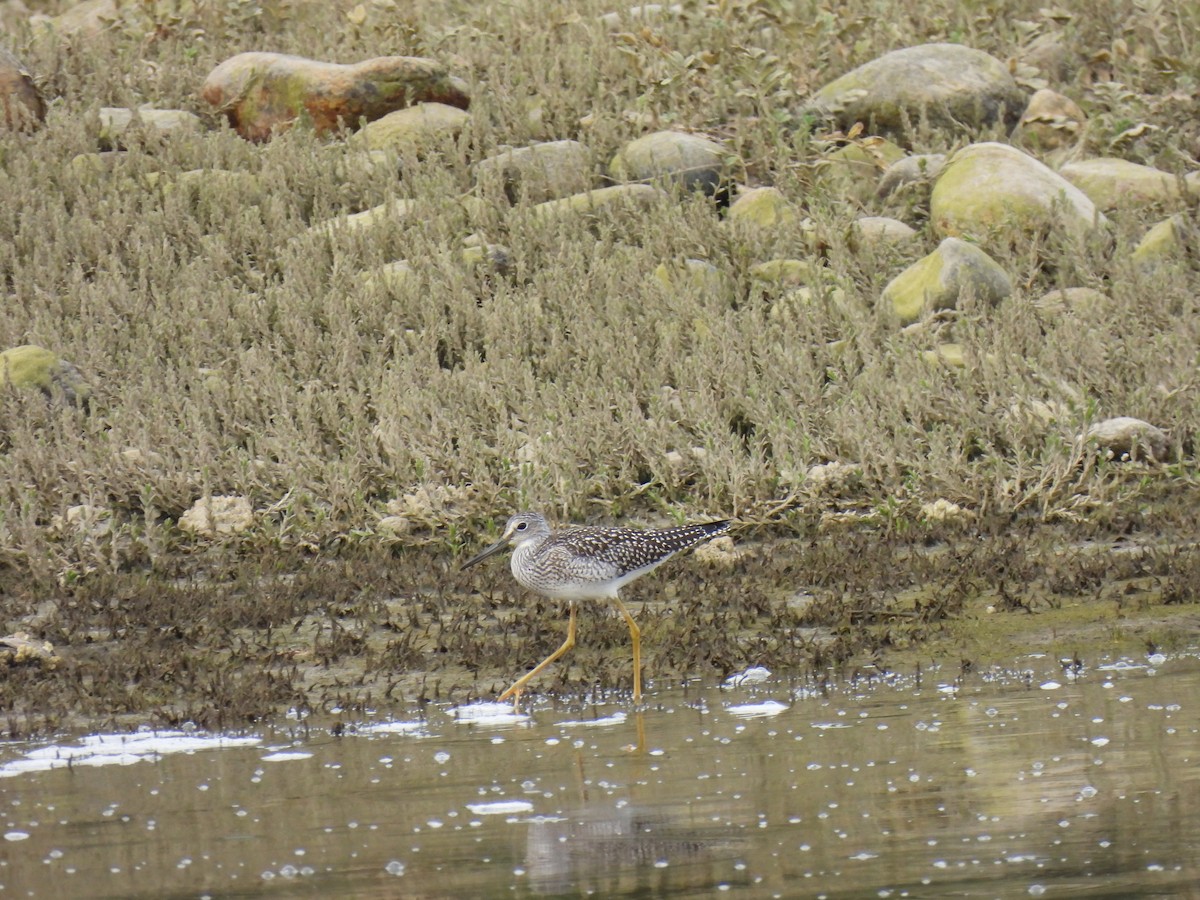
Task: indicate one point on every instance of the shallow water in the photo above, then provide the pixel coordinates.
(1028, 782)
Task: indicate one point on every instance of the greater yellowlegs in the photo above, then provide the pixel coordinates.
(588, 563)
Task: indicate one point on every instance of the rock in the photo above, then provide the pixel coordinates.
(418, 129)
(536, 173)
(720, 553)
(857, 166)
(954, 270)
(84, 519)
(942, 510)
(261, 93)
(218, 515)
(676, 159)
(949, 355)
(690, 275)
(640, 15)
(393, 276)
(1127, 438)
(879, 231)
(87, 19)
(199, 184)
(784, 272)
(369, 219)
(1119, 184)
(1046, 55)
(19, 648)
(910, 174)
(951, 86)
(765, 207)
(990, 189)
(1083, 300)
(832, 479)
(115, 123)
(30, 366)
(621, 196)
(20, 100)
(1168, 239)
(1050, 122)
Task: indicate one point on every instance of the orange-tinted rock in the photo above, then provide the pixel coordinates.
(21, 103)
(265, 92)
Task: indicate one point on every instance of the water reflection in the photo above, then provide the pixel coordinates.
(991, 785)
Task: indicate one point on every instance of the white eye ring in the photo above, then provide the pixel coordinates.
(521, 526)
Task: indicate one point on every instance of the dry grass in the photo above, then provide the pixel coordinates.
(236, 352)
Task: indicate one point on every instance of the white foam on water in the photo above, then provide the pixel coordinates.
(286, 755)
(120, 750)
(614, 719)
(488, 713)
(753, 710)
(752, 675)
(500, 807)
(414, 728)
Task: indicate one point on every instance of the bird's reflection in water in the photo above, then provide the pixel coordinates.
(612, 845)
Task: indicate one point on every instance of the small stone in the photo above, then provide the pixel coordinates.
(640, 15)
(690, 275)
(1127, 438)
(1083, 300)
(30, 366)
(785, 272)
(676, 159)
(117, 123)
(20, 100)
(948, 354)
(218, 515)
(833, 478)
(942, 510)
(1051, 121)
(264, 93)
(536, 173)
(938, 281)
(720, 553)
(856, 167)
(765, 207)
(21, 647)
(879, 231)
(92, 521)
(1165, 241)
(910, 174)
(395, 525)
(602, 200)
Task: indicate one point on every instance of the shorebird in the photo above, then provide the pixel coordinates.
(588, 563)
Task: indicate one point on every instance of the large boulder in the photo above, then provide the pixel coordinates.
(261, 93)
(948, 85)
(990, 188)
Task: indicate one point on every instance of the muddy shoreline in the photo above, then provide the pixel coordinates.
(224, 638)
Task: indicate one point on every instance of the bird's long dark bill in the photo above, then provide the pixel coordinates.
(490, 551)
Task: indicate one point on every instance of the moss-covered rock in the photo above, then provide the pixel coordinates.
(418, 129)
(938, 281)
(855, 168)
(261, 93)
(987, 191)
(1125, 437)
(764, 207)
(30, 366)
(949, 85)
(538, 172)
(676, 159)
(1120, 184)
(1168, 239)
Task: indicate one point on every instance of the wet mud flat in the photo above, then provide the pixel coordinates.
(225, 638)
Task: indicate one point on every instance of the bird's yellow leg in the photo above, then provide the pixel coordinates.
(519, 684)
(636, 634)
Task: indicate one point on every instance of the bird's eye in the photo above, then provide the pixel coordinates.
(521, 526)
